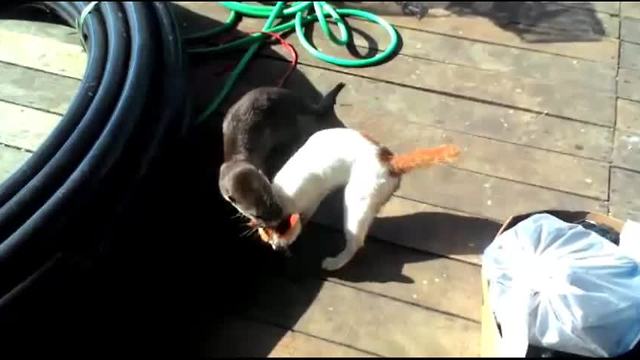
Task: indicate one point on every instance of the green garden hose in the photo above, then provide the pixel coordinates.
(315, 11)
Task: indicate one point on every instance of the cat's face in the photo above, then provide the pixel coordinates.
(283, 235)
(249, 191)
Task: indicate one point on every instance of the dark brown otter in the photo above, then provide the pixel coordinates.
(261, 131)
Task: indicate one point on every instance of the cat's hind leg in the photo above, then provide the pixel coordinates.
(362, 202)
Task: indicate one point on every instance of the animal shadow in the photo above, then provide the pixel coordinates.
(252, 278)
(531, 21)
(392, 243)
(174, 264)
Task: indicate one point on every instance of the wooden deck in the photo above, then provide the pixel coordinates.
(543, 97)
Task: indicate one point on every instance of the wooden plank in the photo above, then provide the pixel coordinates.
(364, 321)
(551, 21)
(517, 62)
(437, 230)
(531, 166)
(41, 53)
(23, 127)
(628, 116)
(457, 51)
(630, 30)
(57, 32)
(629, 84)
(624, 202)
(234, 337)
(486, 195)
(432, 282)
(10, 160)
(587, 105)
(487, 27)
(507, 161)
(45, 47)
(630, 56)
(436, 110)
(626, 151)
(35, 89)
(483, 195)
(630, 9)
(456, 114)
(481, 155)
(397, 272)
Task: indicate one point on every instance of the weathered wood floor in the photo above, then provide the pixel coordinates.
(544, 98)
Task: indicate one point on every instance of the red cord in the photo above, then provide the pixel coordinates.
(292, 52)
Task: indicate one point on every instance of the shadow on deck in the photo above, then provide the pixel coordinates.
(532, 21)
(320, 241)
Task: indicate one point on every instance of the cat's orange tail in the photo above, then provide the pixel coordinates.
(403, 163)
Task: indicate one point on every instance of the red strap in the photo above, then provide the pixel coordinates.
(292, 52)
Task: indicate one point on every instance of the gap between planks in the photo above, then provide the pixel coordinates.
(268, 337)
(10, 160)
(347, 315)
(390, 269)
(25, 128)
(624, 185)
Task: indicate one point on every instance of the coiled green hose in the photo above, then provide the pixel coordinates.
(315, 11)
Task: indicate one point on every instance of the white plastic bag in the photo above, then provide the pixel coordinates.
(559, 286)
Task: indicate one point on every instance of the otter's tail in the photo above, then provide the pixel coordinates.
(329, 100)
(404, 163)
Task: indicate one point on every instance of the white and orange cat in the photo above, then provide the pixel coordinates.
(339, 157)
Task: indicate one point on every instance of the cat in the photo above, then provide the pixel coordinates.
(338, 157)
(260, 132)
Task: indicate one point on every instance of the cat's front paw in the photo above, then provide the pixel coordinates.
(332, 263)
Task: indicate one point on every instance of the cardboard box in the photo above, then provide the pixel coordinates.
(490, 330)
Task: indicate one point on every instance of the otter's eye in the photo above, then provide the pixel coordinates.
(232, 199)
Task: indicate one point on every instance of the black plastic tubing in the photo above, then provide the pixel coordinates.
(130, 108)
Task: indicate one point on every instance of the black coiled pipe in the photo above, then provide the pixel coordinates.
(131, 107)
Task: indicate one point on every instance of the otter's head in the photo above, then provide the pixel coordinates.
(249, 191)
